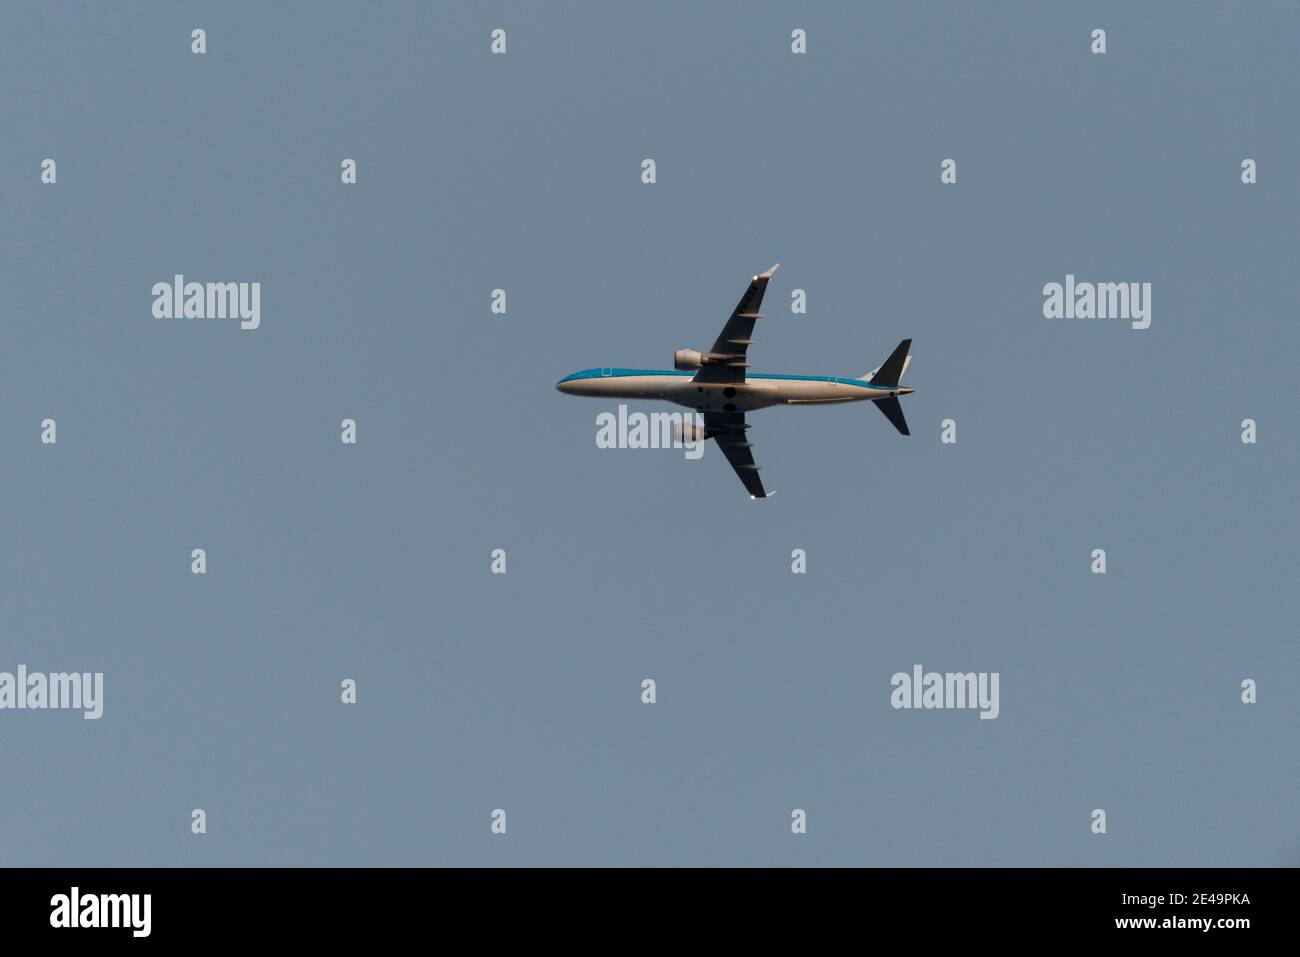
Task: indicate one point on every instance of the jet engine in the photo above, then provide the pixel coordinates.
(688, 359)
(685, 432)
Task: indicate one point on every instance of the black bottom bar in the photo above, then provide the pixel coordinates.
(379, 905)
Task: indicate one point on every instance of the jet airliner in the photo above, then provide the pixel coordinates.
(716, 384)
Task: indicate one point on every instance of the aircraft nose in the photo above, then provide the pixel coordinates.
(565, 386)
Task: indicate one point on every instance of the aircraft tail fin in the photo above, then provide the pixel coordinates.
(892, 369)
(893, 412)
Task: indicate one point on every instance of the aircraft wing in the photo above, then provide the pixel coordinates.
(730, 351)
(728, 430)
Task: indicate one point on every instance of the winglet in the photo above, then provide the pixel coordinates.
(768, 274)
(755, 498)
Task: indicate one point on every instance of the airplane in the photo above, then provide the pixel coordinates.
(716, 384)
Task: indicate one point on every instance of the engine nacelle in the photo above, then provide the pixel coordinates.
(685, 432)
(688, 359)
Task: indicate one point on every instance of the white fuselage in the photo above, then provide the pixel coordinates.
(758, 391)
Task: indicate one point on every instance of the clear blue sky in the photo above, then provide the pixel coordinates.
(522, 691)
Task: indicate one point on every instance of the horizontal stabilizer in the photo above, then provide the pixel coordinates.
(893, 412)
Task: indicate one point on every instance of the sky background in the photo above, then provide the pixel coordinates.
(479, 691)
